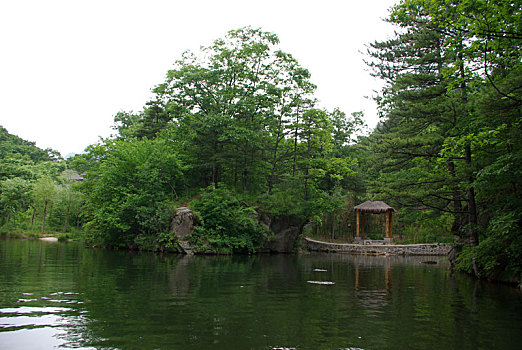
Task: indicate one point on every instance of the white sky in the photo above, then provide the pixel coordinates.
(67, 67)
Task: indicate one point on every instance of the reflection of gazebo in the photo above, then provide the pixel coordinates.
(374, 207)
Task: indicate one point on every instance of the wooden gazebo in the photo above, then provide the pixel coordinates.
(373, 207)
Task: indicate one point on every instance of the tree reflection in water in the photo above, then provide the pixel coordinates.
(122, 300)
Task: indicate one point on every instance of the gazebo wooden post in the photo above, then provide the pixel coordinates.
(373, 207)
(389, 224)
(362, 223)
(357, 221)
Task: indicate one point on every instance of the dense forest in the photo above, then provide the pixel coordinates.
(449, 144)
(36, 189)
(235, 130)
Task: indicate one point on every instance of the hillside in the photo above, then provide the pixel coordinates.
(12, 144)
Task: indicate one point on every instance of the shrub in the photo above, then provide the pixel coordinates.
(132, 191)
(228, 224)
(499, 253)
(425, 234)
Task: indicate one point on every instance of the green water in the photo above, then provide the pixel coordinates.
(62, 295)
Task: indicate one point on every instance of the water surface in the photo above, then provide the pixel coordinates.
(63, 295)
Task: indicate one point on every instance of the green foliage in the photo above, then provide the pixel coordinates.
(44, 190)
(11, 145)
(232, 102)
(167, 241)
(32, 188)
(450, 142)
(67, 206)
(44, 195)
(414, 234)
(228, 224)
(17, 166)
(132, 190)
(67, 236)
(14, 197)
(286, 199)
(499, 254)
(241, 114)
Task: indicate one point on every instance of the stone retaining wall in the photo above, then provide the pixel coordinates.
(382, 249)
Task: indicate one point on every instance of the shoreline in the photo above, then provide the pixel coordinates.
(440, 249)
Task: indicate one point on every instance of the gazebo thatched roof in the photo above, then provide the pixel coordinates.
(374, 207)
(72, 175)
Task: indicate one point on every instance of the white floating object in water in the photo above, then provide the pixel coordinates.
(319, 270)
(327, 283)
(48, 239)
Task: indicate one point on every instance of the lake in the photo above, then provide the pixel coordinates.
(63, 295)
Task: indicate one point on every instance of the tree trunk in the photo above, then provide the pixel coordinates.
(274, 162)
(295, 143)
(245, 166)
(333, 224)
(307, 169)
(7, 219)
(457, 204)
(472, 206)
(215, 169)
(44, 215)
(66, 218)
(235, 175)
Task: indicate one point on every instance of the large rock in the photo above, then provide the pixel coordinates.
(183, 222)
(285, 232)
